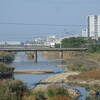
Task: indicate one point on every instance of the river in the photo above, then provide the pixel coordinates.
(22, 62)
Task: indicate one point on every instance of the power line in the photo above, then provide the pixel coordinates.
(30, 24)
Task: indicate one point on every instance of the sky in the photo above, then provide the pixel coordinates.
(59, 12)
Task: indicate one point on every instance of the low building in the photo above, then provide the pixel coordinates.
(2, 43)
(13, 43)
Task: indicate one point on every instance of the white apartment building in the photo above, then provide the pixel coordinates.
(84, 32)
(94, 26)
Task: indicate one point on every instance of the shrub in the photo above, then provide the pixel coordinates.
(73, 42)
(39, 95)
(6, 57)
(93, 74)
(57, 93)
(56, 90)
(93, 98)
(28, 98)
(94, 48)
(57, 45)
(78, 67)
(5, 68)
(11, 90)
(60, 98)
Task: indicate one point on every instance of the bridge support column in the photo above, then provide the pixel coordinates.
(36, 56)
(61, 54)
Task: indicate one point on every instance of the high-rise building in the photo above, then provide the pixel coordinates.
(94, 26)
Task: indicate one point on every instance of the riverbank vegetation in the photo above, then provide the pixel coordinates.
(73, 42)
(79, 67)
(80, 42)
(6, 57)
(17, 90)
(12, 89)
(30, 55)
(86, 63)
(5, 71)
(58, 93)
(4, 68)
(91, 74)
(51, 93)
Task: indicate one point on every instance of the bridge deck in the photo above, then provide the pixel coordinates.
(22, 49)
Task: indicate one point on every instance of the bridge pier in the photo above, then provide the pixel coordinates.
(36, 56)
(61, 54)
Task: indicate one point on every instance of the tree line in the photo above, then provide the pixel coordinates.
(80, 42)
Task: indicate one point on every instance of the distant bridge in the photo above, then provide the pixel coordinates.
(23, 49)
(36, 49)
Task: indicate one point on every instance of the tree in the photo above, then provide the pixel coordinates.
(73, 42)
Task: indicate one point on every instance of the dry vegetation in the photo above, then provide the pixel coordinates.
(92, 74)
(6, 56)
(57, 93)
(95, 57)
(28, 98)
(94, 70)
(51, 55)
(51, 93)
(60, 98)
(30, 55)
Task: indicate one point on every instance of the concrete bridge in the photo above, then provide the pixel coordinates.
(37, 49)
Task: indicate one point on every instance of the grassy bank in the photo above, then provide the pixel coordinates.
(5, 71)
(92, 74)
(86, 64)
(17, 90)
(12, 89)
(6, 57)
(51, 93)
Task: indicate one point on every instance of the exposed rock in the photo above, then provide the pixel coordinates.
(73, 92)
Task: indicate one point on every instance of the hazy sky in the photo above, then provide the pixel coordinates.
(68, 12)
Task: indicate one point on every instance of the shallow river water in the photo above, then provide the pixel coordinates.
(22, 62)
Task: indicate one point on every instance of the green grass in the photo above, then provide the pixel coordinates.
(78, 67)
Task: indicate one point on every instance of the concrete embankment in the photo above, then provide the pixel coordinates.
(33, 71)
